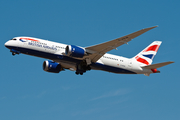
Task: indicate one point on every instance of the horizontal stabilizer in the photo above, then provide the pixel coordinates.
(158, 65)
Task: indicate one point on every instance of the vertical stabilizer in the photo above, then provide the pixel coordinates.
(145, 57)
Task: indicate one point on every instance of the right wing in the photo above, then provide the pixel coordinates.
(97, 51)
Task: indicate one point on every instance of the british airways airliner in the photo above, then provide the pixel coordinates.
(82, 59)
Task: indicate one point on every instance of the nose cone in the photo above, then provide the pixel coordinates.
(8, 44)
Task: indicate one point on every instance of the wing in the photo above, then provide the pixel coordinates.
(97, 51)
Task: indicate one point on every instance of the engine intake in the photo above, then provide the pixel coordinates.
(50, 66)
(75, 51)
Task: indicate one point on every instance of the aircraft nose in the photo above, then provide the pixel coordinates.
(7, 44)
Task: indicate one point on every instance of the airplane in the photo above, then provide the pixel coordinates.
(82, 59)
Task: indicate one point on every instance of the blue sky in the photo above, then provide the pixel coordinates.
(29, 93)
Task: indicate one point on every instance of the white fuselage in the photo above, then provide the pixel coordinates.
(56, 52)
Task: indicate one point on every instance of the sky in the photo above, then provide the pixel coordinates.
(29, 93)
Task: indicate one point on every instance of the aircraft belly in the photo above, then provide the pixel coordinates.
(108, 68)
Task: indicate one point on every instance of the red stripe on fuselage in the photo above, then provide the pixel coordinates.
(30, 39)
(152, 48)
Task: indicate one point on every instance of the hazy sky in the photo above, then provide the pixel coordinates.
(29, 93)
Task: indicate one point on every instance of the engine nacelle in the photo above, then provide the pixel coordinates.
(75, 51)
(51, 66)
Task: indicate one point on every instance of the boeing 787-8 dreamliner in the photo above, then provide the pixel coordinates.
(82, 59)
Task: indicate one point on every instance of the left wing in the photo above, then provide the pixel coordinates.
(97, 51)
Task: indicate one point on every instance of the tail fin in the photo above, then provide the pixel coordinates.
(145, 57)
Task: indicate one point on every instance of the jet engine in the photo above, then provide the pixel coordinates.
(50, 66)
(75, 51)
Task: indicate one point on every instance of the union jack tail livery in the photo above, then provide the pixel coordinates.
(145, 57)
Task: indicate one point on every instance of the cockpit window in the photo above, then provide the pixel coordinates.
(14, 39)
